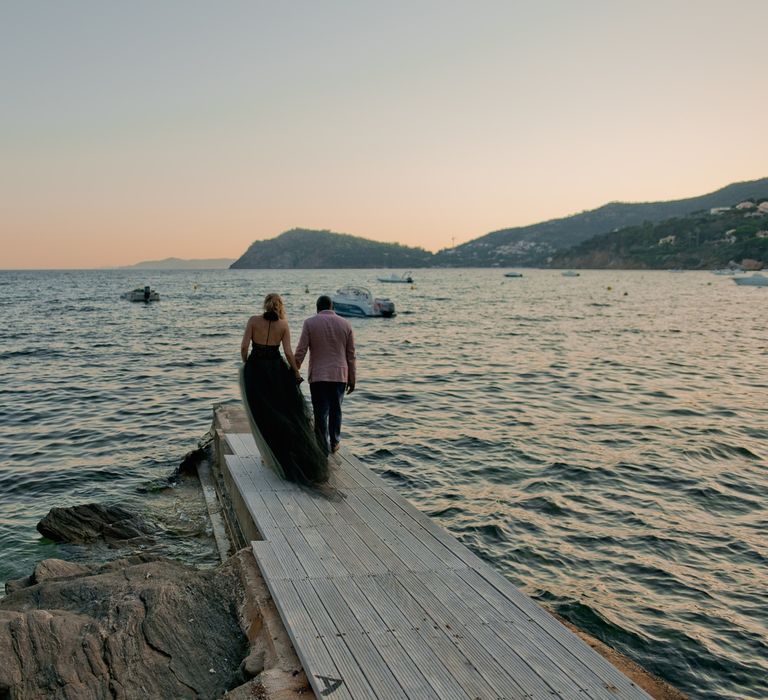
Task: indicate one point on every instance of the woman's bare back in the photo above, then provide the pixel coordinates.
(265, 332)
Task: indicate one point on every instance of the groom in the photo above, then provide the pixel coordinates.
(331, 346)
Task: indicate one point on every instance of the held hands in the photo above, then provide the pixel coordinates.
(299, 378)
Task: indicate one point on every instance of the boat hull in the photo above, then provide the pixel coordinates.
(751, 281)
(355, 311)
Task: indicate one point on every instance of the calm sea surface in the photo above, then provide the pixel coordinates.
(602, 440)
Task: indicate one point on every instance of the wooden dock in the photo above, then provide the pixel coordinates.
(381, 602)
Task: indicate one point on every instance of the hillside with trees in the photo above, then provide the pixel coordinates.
(310, 249)
(703, 240)
(533, 245)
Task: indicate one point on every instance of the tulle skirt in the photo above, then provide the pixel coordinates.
(280, 418)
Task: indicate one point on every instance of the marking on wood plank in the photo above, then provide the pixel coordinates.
(329, 684)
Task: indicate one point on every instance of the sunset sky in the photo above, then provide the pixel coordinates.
(141, 130)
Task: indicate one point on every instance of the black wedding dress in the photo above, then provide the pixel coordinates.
(279, 414)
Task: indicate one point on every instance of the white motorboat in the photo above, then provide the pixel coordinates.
(756, 280)
(513, 274)
(724, 271)
(144, 294)
(570, 273)
(405, 278)
(356, 301)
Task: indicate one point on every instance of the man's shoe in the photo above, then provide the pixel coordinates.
(335, 448)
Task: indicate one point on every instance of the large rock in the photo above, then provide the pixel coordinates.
(90, 522)
(134, 628)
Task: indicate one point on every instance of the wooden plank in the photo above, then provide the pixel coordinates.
(338, 609)
(427, 635)
(347, 622)
(236, 444)
(351, 550)
(277, 510)
(375, 668)
(311, 648)
(400, 528)
(403, 667)
(454, 675)
(378, 600)
(307, 499)
(517, 641)
(555, 637)
(381, 545)
(431, 678)
(443, 631)
(446, 556)
(269, 562)
(394, 605)
(329, 558)
(291, 564)
(308, 557)
(379, 537)
(348, 668)
(249, 443)
(326, 501)
(358, 603)
(293, 504)
(438, 532)
(527, 676)
(251, 497)
(352, 462)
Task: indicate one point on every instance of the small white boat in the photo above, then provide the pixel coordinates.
(405, 278)
(144, 294)
(756, 280)
(513, 274)
(570, 273)
(356, 301)
(724, 271)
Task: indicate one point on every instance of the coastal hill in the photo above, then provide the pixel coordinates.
(180, 264)
(308, 249)
(546, 243)
(533, 245)
(703, 240)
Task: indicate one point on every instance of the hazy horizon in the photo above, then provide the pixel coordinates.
(143, 131)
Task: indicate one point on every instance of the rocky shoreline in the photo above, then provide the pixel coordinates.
(146, 626)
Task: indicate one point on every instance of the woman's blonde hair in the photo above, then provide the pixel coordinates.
(273, 304)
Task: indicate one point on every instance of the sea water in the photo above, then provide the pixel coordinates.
(601, 440)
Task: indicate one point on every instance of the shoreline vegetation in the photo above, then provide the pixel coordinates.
(150, 626)
(712, 231)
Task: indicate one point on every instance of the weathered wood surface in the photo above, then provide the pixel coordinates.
(381, 602)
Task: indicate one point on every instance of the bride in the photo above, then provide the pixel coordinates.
(273, 401)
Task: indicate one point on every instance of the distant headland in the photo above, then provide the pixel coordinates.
(701, 232)
(181, 264)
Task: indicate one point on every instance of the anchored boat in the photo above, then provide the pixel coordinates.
(756, 280)
(405, 278)
(141, 294)
(359, 301)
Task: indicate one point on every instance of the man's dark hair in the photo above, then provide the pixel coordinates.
(324, 303)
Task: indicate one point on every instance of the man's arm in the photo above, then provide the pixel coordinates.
(303, 345)
(351, 362)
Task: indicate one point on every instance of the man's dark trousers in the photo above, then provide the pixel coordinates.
(326, 405)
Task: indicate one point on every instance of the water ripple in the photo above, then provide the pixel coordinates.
(605, 452)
